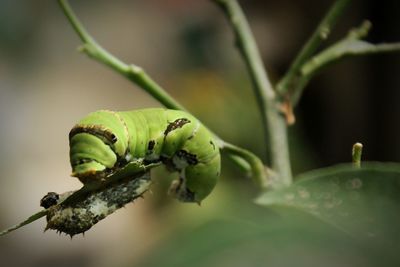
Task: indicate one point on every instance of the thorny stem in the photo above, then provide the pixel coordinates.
(272, 119)
(121, 188)
(287, 83)
(138, 76)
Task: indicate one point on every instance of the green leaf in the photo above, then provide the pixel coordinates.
(363, 202)
(32, 218)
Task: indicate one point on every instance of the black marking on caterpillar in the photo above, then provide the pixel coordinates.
(168, 163)
(178, 123)
(151, 145)
(212, 143)
(96, 130)
(191, 159)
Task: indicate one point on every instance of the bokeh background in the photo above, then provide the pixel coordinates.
(186, 45)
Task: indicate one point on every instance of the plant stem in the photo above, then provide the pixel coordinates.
(132, 72)
(259, 169)
(273, 121)
(356, 154)
(287, 83)
(349, 46)
(138, 76)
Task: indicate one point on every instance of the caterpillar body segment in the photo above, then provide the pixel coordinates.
(104, 142)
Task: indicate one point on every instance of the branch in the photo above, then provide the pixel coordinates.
(137, 75)
(132, 72)
(287, 84)
(84, 211)
(248, 47)
(345, 48)
(77, 211)
(259, 169)
(350, 46)
(273, 122)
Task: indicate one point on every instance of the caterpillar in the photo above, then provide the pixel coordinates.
(104, 142)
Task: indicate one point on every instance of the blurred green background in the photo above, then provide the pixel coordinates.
(186, 45)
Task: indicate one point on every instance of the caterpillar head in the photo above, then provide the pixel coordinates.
(90, 157)
(96, 144)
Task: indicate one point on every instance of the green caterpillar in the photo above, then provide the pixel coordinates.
(105, 141)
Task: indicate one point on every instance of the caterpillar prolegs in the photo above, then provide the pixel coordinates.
(103, 142)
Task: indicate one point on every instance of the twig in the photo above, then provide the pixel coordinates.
(74, 209)
(272, 119)
(81, 213)
(132, 72)
(287, 84)
(138, 76)
(259, 169)
(348, 47)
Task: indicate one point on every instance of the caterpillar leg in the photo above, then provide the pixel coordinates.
(179, 190)
(196, 181)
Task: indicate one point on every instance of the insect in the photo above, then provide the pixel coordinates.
(104, 142)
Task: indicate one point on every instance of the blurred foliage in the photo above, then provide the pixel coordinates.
(292, 240)
(337, 216)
